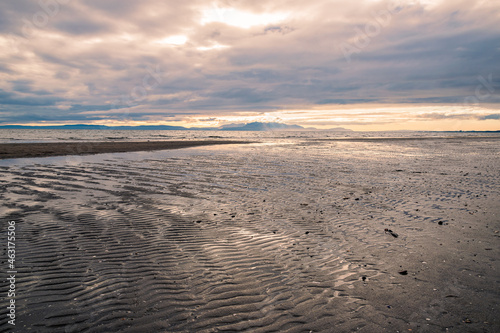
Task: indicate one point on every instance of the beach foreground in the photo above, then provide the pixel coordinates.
(259, 238)
(23, 150)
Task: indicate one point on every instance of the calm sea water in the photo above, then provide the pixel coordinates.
(46, 135)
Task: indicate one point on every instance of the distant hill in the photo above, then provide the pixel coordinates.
(340, 129)
(255, 126)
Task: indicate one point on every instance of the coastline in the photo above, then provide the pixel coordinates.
(25, 150)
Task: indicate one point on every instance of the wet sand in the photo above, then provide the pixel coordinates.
(22, 150)
(282, 238)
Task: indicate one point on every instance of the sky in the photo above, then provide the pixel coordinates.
(363, 65)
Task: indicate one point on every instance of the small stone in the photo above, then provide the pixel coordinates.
(389, 231)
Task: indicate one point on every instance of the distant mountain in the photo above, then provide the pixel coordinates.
(150, 127)
(340, 129)
(257, 126)
(233, 125)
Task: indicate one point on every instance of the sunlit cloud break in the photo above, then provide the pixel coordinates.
(368, 65)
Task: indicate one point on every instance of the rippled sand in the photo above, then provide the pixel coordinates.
(260, 238)
(22, 150)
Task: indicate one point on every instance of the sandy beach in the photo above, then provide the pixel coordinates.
(23, 150)
(313, 236)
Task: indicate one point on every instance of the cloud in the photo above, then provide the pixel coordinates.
(65, 58)
(8, 98)
(460, 116)
(495, 116)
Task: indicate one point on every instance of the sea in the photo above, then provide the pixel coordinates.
(59, 135)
